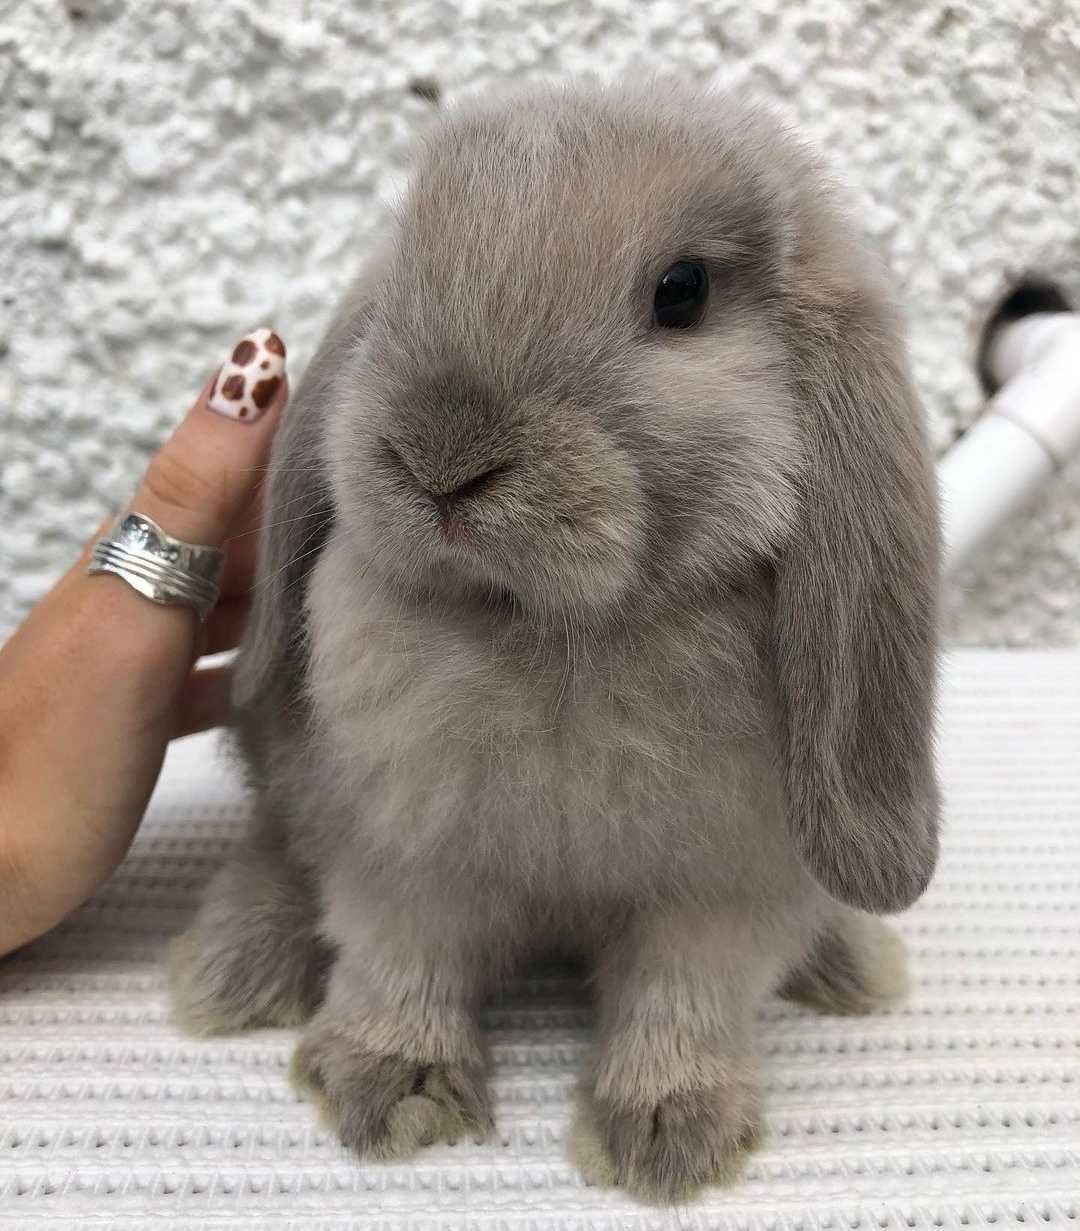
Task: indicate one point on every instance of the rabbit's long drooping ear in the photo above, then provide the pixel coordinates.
(853, 639)
(297, 512)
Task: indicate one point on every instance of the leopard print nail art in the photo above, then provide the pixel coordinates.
(250, 378)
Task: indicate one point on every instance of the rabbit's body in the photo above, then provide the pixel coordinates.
(468, 759)
(586, 622)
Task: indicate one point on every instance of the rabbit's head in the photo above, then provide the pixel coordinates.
(622, 351)
(574, 389)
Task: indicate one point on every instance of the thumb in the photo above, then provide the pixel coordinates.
(205, 473)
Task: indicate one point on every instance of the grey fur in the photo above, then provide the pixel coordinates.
(270, 973)
(673, 690)
(858, 965)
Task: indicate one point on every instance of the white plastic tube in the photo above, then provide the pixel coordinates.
(1029, 430)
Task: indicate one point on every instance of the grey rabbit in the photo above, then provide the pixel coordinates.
(596, 611)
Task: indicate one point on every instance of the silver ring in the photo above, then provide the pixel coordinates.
(161, 568)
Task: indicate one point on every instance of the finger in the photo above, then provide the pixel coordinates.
(225, 625)
(206, 703)
(203, 479)
(241, 547)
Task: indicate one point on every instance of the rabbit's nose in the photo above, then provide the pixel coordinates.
(447, 501)
(444, 488)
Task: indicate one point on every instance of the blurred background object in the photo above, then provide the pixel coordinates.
(1029, 431)
(172, 175)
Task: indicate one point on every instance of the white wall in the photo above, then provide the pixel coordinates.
(173, 174)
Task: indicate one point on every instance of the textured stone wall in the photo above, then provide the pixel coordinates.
(172, 174)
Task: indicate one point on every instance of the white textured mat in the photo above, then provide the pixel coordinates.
(960, 1109)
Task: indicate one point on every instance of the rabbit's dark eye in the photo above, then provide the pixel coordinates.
(681, 295)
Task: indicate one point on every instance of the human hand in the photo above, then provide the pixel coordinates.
(98, 679)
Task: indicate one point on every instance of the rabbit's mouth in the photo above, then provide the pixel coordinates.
(456, 531)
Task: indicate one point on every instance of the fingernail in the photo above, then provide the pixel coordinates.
(250, 378)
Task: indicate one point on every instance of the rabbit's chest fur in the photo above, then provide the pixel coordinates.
(546, 766)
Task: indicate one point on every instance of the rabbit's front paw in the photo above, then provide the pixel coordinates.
(388, 1106)
(665, 1150)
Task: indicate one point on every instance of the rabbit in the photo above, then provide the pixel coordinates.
(596, 612)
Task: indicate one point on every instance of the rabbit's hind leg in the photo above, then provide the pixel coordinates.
(252, 956)
(857, 965)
